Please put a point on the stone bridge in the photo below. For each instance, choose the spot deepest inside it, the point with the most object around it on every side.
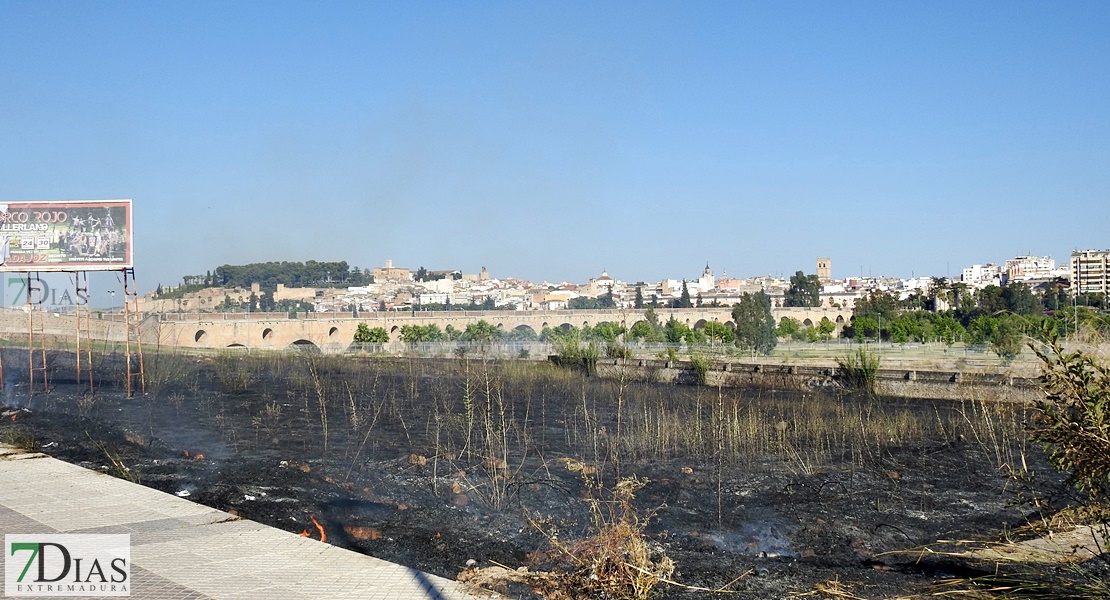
(334, 332)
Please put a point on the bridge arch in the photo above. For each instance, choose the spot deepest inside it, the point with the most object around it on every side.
(807, 322)
(333, 331)
(200, 336)
(267, 333)
(305, 346)
(700, 324)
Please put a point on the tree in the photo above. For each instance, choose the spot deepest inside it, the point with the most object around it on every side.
(642, 330)
(482, 331)
(583, 303)
(719, 332)
(606, 300)
(253, 303)
(825, 329)
(991, 300)
(788, 326)
(755, 324)
(865, 327)
(805, 290)
(947, 329)
(1002, 332)
(1020, 300)
(523, 334)
(266, 302)
(414, 334)
(684, 299)
(639, 302)
(904, 329)
(675, 331)
(365, 335)
(421, 274)
(608, 331)
(881, 306)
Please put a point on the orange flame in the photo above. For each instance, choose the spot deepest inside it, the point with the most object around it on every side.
(199, 457)
(14, 416)
(186, 454)
(320, 528)
(304, 533)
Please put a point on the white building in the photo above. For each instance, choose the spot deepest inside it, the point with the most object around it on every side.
(980, 276)
(1029, 267)
(707, 282)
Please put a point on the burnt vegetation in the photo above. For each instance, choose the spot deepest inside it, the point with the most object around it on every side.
(600, 488)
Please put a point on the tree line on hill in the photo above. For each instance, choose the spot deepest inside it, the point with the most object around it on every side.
(269, 274)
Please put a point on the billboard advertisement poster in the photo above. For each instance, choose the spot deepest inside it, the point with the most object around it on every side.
(78, 235)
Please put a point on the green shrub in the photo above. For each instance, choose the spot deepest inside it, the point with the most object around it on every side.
(860, 370)
(701, 368)
(617, 350)
(1073, 418)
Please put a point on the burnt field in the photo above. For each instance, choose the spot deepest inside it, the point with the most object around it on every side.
(445, 465)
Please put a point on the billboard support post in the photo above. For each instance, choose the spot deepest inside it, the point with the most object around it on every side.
(35, 285)
(84, 327)
(133, 323)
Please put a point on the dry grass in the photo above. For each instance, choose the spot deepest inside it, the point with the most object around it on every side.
(617, 561)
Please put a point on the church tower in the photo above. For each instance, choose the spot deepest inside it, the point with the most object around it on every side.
(824, 269)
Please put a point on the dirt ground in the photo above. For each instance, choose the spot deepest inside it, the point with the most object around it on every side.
(377, 462)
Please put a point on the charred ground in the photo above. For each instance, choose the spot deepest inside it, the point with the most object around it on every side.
(434, 463)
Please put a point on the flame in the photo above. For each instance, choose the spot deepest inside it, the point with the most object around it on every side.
(186, 454)
(14, 416)
(320, 528)
(194, 456)
(199, 457)
(304, 533)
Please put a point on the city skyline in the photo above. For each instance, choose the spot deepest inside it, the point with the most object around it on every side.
(551, 141)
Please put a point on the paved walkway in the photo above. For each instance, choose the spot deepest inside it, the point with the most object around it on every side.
(181, 550)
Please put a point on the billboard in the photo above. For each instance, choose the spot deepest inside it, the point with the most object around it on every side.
(79, 235)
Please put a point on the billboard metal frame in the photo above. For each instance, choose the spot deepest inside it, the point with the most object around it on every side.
(73, 236)
(66, 235)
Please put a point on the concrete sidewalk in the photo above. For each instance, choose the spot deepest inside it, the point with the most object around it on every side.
(181, 550)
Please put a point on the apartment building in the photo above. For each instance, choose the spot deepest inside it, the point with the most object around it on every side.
(1029, 267)
(1090, 271)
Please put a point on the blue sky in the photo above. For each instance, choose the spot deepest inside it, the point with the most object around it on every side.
(551, 140)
